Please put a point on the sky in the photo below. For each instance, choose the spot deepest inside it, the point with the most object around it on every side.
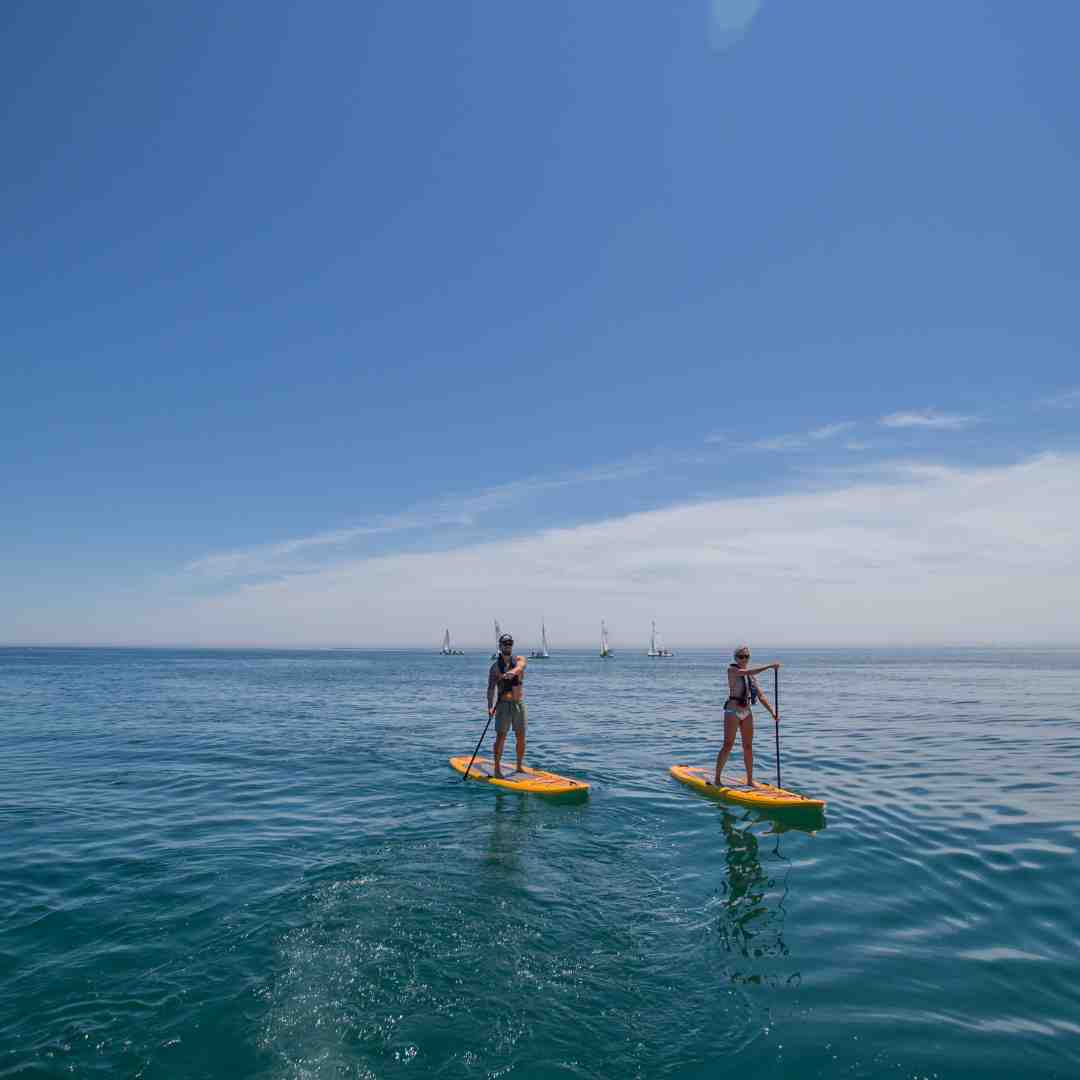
(339, 326)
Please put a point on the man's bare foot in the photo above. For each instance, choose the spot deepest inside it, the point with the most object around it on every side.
(718, 781)
(498, 774)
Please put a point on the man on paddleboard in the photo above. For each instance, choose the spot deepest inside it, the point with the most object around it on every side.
(506, 700)
(743, 691)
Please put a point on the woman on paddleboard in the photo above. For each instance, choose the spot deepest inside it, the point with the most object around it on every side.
(743, 691)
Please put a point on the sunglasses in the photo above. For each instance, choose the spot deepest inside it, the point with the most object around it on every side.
(742, 656)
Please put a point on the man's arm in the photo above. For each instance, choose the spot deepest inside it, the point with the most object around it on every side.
(519, 667)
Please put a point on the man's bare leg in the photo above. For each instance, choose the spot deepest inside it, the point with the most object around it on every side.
(519, 745)
(500, 742)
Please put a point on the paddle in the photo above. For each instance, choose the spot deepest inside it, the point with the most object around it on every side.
(477, 750)
(776, 706)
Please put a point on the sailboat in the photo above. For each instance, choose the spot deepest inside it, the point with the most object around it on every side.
(498, 634)
(541, 653)
(656, 646)
(605, 652)
(446, 650)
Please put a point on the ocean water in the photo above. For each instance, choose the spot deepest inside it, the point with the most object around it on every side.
(259, 864)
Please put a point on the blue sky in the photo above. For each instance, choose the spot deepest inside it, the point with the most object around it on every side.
(293, 295)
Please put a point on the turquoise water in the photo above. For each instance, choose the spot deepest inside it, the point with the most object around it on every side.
(234, 864)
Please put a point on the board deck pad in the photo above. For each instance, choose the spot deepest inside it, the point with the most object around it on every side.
(767, 796)
(536, 780)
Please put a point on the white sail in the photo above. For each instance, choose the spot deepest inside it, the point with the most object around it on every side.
(656, 644)
(446, 642)
(604, 650)
(541, 653)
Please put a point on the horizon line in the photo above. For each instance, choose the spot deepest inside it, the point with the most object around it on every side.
(467, 650)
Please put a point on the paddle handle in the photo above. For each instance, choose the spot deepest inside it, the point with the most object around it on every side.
(776, 706)
(477, 750)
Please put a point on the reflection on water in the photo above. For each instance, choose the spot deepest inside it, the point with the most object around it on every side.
(750, 921)
(509, 832)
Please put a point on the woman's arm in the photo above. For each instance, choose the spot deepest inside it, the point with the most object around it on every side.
(765, 701)
(756, 670)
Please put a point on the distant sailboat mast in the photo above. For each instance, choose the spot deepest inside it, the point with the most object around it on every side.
(604, 650)
(541, 653)
(656, 645)
(446, 642)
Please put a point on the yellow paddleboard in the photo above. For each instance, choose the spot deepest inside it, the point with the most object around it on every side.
(763, 796)
(543, 783)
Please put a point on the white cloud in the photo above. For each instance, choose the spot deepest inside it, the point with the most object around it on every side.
(927, 418)
(931, 555)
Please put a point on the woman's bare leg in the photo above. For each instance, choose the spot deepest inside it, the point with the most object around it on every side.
(731, 727)
(746, 730)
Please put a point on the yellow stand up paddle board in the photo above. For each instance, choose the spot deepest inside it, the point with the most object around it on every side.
(535, 780)
(762, 796)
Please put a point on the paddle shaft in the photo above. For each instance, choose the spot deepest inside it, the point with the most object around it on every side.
(477, 750)
(776, 706)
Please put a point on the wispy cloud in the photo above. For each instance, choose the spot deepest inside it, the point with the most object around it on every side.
(801, 442)
(308, 554)
(1066, 399)
(927, 418)
(922, 553)
(730, 19)
(829, 430)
